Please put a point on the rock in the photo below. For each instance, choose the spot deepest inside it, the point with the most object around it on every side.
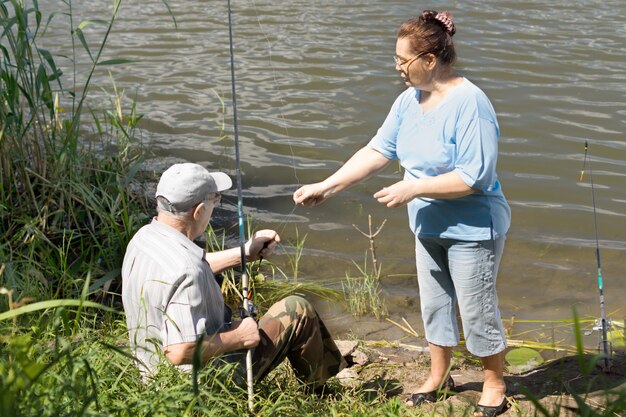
(359, 358)
(348, 377)
(346, 347)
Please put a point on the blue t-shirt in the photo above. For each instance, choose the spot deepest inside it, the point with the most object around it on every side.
(460, 134)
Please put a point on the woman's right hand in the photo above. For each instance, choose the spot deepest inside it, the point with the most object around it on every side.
(310, 195)
(361, 165)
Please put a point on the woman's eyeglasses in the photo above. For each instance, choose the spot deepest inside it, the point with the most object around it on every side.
(399, 62)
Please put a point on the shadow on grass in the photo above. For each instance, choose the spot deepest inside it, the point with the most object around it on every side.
(380, 386)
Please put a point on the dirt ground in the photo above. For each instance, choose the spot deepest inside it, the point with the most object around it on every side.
(399, 370)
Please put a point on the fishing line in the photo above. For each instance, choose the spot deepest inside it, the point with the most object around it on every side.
(280, 96)
(604, 322)
(285, 217)
(282, 218)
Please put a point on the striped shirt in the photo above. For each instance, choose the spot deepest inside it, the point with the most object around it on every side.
(169, 292)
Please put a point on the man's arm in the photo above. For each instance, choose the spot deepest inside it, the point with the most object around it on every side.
(262, 243)
(243, 335)
(223, 259)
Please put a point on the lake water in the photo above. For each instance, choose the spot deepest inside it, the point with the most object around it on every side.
(315, 79)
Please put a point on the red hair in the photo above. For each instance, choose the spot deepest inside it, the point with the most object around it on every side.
(431, 32)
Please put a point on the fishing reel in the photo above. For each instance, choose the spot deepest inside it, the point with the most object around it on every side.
(605, 342)
(597, 327)
(251, 311)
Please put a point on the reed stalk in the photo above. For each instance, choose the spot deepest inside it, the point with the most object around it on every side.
(64, 210)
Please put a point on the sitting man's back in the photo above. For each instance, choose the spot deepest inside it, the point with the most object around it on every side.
(173, 302)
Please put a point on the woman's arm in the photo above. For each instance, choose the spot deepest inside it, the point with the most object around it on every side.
(361, 165)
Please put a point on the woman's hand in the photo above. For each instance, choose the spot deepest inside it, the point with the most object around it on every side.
(445, 186)
(365, 162)
(262, 243)
(310, 195)
(398, 194)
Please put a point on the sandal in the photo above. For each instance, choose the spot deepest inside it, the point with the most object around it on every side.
(439, 394)
(492, 411)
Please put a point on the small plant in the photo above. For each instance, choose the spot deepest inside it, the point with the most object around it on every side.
(278, 282)
(370, 236)
(294, 257)
(362, 294)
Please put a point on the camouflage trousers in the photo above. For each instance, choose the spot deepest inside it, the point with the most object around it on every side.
(292, 329)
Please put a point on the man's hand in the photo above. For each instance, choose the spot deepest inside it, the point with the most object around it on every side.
(243, 334)
(247, 332)
(262, 244)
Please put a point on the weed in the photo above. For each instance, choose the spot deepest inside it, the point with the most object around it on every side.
(362, 294)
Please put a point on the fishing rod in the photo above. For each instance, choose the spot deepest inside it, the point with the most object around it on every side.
(245, 280)
(605, 323)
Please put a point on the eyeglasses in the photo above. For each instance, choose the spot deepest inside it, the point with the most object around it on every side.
(406, 62)
(215, 199)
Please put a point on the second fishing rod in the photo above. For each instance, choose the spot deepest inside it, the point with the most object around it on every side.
(604, 324)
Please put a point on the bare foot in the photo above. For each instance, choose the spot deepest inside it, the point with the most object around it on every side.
(430, 385)
(429, 392)
(492, 395)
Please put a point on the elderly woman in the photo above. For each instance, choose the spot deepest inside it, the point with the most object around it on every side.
(444, 132)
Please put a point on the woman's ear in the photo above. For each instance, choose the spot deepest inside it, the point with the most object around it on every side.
(430, 60)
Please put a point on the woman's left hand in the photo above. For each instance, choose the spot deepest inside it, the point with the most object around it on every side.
(398, 194)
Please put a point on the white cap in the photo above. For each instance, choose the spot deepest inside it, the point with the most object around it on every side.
(185, 185)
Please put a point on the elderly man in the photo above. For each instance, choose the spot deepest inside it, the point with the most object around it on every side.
(172, 300)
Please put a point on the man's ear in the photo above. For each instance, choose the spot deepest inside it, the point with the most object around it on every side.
(198, 210)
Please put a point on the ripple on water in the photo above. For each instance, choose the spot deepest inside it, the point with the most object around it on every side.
(537, 176)
(327, 226)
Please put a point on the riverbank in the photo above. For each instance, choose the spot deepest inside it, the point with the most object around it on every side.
(557, 388)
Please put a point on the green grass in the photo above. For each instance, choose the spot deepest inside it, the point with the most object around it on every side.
(362, 293)
(66, 215)
(53, 367)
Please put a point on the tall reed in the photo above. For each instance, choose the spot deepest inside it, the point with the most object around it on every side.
(65, 211)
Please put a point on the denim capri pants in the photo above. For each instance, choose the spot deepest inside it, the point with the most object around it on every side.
(451, 271)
